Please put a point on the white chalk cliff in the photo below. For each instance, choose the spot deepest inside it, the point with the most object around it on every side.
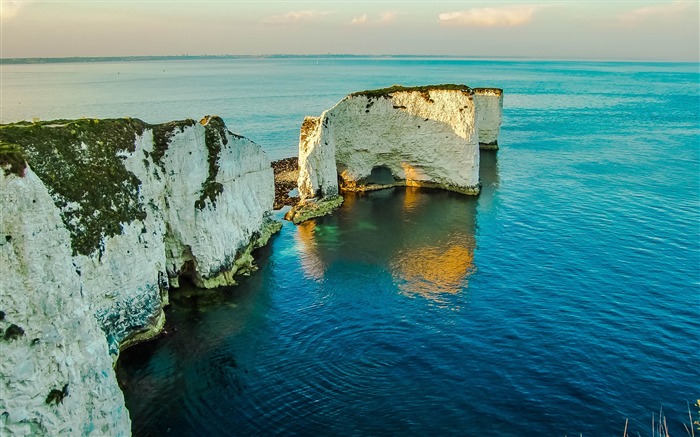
(106, 216)
(413, 136)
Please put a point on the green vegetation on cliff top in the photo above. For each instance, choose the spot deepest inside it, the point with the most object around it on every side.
(81, 162)
(385, 92)
(214, 136)
(12, 158)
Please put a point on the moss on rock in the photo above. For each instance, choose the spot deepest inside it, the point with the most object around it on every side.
(214, 137)
(313, 208)
(13, 332)
(493, 91)
(12, 159)
(242, 263)
(82, 164)
(163, 133)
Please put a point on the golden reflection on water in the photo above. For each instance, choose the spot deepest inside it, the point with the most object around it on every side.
(431, 271)
(412, 199)
(431, 268)
(423, 238)
(311, 262)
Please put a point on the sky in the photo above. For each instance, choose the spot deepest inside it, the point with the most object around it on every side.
(600, 30)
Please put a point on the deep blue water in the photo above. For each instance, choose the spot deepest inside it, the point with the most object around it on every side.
(562, 300)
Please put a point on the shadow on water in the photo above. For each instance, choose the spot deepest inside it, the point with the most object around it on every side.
(488, 172)
(490, 178)
(160, 384)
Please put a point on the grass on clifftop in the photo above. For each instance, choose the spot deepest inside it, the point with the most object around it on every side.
(385, 92)
(81, 164)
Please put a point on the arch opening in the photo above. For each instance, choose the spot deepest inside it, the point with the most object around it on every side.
(380, 175)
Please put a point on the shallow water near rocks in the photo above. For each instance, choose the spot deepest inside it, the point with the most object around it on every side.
(562, 300)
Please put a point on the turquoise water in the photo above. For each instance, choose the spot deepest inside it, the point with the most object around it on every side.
(562, 300)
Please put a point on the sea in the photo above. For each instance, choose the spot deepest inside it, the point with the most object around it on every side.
(564, 300)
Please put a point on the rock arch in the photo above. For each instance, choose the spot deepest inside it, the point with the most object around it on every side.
(425, 136)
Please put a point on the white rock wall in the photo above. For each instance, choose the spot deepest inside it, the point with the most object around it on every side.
(424, 138)
(318, 175)
(210, 237)
(489, 114)
(62, 343)
(84, 308)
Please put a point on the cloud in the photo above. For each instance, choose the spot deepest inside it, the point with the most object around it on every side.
(387, 17)
(384, 18)
(362, 19)
(295, 17)
(10, 8)
(506, 16)
(665, 11)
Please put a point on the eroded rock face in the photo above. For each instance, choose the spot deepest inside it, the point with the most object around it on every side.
(489, 114)
(419, 136)
(57, 341)
(106, 216)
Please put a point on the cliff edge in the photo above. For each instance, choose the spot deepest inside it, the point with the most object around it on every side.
(99, 219)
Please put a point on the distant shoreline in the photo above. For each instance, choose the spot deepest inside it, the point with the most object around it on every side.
(70, 59)
(80, 59)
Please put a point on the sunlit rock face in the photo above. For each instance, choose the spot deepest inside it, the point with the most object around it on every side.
(419, 136)
(99, 219)
(489, 114)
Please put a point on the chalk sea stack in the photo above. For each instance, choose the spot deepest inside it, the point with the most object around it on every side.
(489, 113)
(425, 136)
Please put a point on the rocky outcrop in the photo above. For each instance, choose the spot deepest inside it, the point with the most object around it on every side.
(413, 136)
(286, 175)
(489, 113)
(99, 219)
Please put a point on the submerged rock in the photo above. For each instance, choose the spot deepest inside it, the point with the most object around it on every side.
(399, 136)
(101, 218)
(312, 208)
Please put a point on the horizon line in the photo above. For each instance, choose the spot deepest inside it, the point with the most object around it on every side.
(69, 59)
